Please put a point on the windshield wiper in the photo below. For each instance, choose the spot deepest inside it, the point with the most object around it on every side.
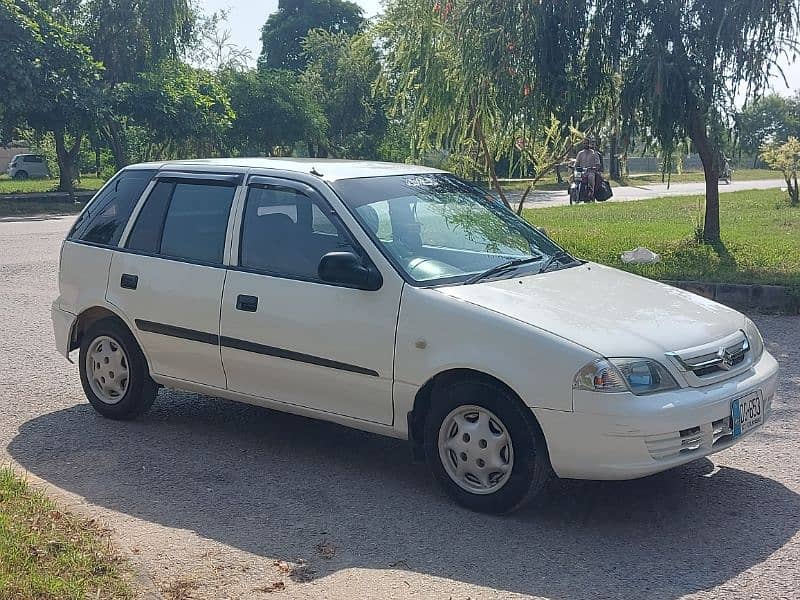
(503, 267)
(555, 257)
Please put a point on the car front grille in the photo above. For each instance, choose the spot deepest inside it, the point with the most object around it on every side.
(707, 364)
(688, 441)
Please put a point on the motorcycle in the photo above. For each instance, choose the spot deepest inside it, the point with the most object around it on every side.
(579, 190)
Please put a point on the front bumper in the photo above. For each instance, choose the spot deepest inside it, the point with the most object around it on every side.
(63, 322)
(621, 436)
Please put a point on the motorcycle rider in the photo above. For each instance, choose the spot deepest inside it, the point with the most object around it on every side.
(590, 158)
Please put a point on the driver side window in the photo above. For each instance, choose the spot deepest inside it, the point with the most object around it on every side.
(286, 233)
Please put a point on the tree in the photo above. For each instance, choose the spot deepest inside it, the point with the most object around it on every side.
(340, 75)
(48, 79)
(477, 77)
(273, 112)
(786, 158)
(686, 62)
(129, 38)
(212, 46)
(182, 110)
(768, 119)
(283, 33)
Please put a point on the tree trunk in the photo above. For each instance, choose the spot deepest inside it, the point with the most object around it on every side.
(794, 191)
(709, 156)
(490, 166)
(613, 166)
(66, 160)
(114, 134)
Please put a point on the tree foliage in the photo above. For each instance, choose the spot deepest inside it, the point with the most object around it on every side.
(477, 77)
(48, 79)
(340, 75)
(131, 37)
(786, 158)
(771, 118)
(282, 35)
(684, 62)
(177, 106)
(273, 112)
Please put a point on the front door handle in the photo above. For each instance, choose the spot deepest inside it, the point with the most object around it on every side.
(246, 303)
(128, 281)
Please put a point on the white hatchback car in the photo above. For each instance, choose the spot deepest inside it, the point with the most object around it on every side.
(28, 166)
(403, 301)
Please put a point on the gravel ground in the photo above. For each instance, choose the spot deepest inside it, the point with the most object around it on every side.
(220, 500)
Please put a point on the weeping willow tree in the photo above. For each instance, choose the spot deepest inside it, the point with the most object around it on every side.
(684, 62)
(483, 79)
(130, 37)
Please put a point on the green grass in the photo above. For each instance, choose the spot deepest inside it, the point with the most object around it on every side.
(760, 236)
(47, 553)
(26, 186)
(28, 208)
(697, 176)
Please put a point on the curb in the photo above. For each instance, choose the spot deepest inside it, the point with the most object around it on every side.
(769, 299)
(48, 197)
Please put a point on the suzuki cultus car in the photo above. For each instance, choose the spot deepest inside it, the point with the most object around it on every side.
(403, 301)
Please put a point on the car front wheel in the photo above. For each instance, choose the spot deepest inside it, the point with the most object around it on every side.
(114, 371)
(487, 453)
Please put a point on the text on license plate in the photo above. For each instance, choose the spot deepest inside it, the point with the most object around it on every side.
(746, 413)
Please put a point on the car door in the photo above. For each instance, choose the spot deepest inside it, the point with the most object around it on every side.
(288, 336)
(168, 278)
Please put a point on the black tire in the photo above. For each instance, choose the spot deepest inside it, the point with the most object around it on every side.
(21, 175)
(141, 389)
(531, 468)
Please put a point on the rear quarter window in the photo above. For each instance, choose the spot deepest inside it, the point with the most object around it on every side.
(105, 218)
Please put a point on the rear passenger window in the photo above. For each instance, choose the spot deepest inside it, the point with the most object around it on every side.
(196, 222)
(185, 221)
(105, 218)
(285, 232)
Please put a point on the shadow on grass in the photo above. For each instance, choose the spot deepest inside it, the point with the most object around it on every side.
(726, 260)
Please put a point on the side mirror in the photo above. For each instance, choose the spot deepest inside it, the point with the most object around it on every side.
(346, 268)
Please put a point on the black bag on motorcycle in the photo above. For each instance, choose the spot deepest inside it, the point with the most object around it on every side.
(603, 191)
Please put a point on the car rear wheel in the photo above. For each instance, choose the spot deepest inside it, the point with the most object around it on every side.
(487, 453)
(114, 371)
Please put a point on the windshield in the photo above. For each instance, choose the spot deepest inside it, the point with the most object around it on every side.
(438, 229)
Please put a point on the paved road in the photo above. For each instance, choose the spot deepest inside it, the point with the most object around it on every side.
(645, 191)
(217, 494)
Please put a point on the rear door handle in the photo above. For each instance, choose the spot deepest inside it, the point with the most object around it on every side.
(128, 281)
(246, 303)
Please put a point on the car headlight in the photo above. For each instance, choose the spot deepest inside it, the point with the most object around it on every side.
(639, 376)
(754, 339)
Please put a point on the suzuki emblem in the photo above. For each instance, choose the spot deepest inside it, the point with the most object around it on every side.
(725, 358)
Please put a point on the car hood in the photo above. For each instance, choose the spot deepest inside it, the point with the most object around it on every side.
(612, 312)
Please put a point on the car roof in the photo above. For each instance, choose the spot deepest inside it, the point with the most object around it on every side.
(325, 168)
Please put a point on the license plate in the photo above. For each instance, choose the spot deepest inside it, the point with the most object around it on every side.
(746, 413)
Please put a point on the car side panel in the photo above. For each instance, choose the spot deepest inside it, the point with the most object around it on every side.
(83, 276)
(437, 333)
(175, 314)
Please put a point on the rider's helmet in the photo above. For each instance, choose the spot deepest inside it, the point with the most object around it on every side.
(590, 141)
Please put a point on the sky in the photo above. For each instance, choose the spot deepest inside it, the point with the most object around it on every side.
(246, 17)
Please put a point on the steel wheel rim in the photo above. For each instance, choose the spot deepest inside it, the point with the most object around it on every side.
(475, 449)
(107, 369)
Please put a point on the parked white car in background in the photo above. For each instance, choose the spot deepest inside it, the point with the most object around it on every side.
(399, 300)
(28, 166)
